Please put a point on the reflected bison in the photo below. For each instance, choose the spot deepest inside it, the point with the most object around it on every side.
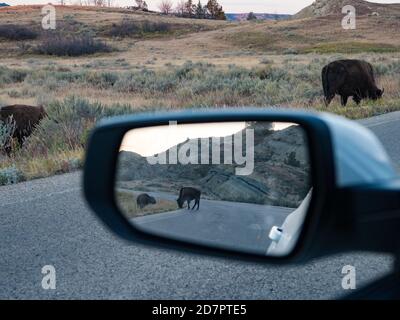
(349, 78)
(144, 200)
(25, 119)
(188, 195)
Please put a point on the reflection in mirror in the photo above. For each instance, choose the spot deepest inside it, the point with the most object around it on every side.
(243, 186)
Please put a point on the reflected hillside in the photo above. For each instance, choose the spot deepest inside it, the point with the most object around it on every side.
(280, 176)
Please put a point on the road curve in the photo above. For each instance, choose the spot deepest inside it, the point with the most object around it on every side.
(232, 225)
(46, 222)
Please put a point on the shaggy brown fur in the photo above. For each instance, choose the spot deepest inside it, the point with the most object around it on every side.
(350, 78)
(26, 118)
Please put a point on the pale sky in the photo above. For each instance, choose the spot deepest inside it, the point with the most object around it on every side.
(230, 6)
(153, 140)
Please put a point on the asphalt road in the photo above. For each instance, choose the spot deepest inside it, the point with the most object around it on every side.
(386, 127)
(233, 225)
(46, 222)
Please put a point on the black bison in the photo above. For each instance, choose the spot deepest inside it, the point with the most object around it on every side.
(25, 118)
(349, 78)
(144, 200)
(188, 195)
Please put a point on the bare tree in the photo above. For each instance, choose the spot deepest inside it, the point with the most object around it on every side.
(139, 3)
(98, 3)
(166, 6)
(180, 8)
(189, 8)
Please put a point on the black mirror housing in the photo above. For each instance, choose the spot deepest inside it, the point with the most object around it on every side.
(340, 214)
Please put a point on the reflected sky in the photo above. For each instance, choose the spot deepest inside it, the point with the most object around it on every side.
(153, 140)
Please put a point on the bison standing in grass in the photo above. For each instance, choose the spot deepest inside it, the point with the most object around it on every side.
(350, 78)
(24, 119)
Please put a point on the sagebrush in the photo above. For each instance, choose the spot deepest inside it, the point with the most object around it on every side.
(73, 46)
(17, 32)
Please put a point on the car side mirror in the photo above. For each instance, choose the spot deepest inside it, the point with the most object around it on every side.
(256, 184)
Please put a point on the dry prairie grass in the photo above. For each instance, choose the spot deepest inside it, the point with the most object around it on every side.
(127, 202)
(217, 64)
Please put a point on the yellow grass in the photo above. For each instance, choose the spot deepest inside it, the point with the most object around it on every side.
(45, 166)
(127, 203)
(242, 44)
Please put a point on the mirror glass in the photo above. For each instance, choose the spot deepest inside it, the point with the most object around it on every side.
(243, 186)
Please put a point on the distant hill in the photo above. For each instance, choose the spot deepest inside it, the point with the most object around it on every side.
(4, 5)
(272, 154)
(260, 16)
(321, 8)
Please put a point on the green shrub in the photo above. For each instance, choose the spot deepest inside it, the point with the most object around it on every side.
(68, 125)
(290, 51)
(6, 134)
(197, 84)
(10, 175)
(12, 75)
(266, 61)
(351, 47)
(129, 28)
(16, 32)
(102, 80)
(61, 45)
(392, 68)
